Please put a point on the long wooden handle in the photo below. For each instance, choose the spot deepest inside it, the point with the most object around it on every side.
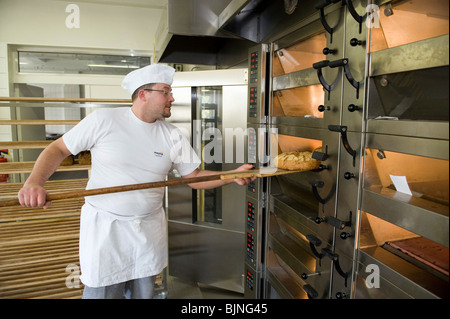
(171, 182)
(116, 189)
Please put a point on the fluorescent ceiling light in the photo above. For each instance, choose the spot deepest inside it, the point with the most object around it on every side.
(114, 66)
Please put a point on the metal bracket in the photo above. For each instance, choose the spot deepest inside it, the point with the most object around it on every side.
(343, 130)
(328, 87)
(359, 19)
(348, 74)
(313, 242)
(335, 258)
(320, 6)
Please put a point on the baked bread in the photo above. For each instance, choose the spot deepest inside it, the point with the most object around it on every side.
(294, 161)
(67, 161)
(84, 158)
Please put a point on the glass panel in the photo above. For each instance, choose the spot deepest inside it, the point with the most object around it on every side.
(301, 101)
(426, 177)
(423, 261)
(77, 63)
(412, 95)
(209, 118)
(403, 22)
(301, 55)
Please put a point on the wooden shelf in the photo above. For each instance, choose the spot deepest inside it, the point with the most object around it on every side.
(20, 145)
(26, 167)
(39, 122)
(62, 100)
(10, 190)
(37, 245)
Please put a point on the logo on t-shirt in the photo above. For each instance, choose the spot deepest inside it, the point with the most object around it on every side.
(158, 154)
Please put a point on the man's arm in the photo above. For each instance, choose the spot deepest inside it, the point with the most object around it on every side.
(218, 183)
(33, 193)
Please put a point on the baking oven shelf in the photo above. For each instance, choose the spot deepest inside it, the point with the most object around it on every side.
(297, 216)
(421, 216)
(423, 54)
(295, 79)
(400, 278)
(433, 148)
(298, 122)
(284, 285)
(303, 131)
(297, 258)
(422, 129)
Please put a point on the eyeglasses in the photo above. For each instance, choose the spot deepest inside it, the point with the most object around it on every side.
(164, 92)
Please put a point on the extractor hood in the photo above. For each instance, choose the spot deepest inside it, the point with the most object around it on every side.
(190, 33)
(220, 32)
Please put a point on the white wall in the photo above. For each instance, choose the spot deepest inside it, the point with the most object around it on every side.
(102, 25)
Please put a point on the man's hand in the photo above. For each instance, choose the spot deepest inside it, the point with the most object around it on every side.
(219, 183)
(247, 180)
(33, 195)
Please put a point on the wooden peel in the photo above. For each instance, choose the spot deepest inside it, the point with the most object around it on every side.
(263, 172)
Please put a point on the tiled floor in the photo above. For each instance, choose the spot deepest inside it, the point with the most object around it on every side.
(180, 289)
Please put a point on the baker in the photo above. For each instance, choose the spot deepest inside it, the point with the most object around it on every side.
(123, 238)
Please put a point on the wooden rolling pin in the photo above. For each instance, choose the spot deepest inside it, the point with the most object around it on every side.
(263, 172)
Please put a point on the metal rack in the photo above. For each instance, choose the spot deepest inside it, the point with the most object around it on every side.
(39, 248)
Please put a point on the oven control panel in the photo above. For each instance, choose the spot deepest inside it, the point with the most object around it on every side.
(258, 70)
(251, 217)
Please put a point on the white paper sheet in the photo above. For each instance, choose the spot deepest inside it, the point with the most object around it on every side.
(401, 184)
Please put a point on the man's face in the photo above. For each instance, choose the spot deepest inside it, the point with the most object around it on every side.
(160, 100)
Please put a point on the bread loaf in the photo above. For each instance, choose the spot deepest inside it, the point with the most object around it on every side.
(297, 161)
(84, 158)
(67, 161)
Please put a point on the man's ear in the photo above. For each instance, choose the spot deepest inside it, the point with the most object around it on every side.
(142, 96)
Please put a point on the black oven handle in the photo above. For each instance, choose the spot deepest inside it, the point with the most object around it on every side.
(328, 87)
(335, 258)
(359, 19)
(320, 5)
(343, 130)
(348, 74)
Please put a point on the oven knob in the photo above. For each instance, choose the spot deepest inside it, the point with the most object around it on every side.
(319, 220)
(345, 235)
(305, 275)
(322, 108)
(341, 295)
(348, 175)
(328, 51)
(353, 108)
(354, 42)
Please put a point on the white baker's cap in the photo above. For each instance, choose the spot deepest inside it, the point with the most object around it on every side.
(155, 73)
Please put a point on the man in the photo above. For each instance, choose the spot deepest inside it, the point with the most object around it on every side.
(123, 239)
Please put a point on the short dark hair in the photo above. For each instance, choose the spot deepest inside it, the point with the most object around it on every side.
(136, 92)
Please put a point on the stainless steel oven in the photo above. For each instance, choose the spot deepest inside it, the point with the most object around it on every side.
(368, 83)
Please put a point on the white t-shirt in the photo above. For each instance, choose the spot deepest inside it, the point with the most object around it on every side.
(123, 235)
(126, 150)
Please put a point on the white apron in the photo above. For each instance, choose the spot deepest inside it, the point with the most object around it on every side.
(117, 248)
